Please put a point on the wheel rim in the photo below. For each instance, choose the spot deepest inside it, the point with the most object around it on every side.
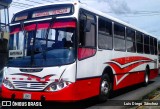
(146, 78)
(104, 87)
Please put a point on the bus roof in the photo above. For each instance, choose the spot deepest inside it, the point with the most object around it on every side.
(97, 12)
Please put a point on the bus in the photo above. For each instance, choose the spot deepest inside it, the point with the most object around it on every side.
(67, 52)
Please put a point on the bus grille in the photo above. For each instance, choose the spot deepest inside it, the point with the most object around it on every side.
(30, 85)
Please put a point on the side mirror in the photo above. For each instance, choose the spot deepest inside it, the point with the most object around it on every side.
(87, 26)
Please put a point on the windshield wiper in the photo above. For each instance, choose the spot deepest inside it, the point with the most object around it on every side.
(22, 27)
(46, 36)
(33, 45)
(24, 33)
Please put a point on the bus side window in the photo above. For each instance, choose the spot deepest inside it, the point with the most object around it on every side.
(146, 44)
(151, 45)
(87, 35)
(105, 37)
(155, 46)
(87, 38)
(130, 40)
(139, 39)
(119, 37)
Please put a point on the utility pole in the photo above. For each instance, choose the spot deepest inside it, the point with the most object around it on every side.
(4, 33)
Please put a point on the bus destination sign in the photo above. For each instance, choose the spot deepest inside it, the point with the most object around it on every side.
(51, 12)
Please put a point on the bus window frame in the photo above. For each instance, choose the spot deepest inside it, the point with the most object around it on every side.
(107, 35)
(118, 36)
(146, 43)
(140, 34)
(133, 41)
(88, 48)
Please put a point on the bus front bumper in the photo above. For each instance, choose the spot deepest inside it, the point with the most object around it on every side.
(64, 95)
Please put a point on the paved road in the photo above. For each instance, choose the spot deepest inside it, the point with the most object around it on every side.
(130, 93)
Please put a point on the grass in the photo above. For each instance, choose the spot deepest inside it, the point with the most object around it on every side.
(149, 96)
(152, 94)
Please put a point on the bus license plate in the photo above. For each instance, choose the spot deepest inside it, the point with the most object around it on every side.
(27, 96)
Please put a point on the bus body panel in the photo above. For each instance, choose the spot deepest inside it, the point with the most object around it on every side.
(65, 95)
(131, 67)
(79, 90)
(87, 74)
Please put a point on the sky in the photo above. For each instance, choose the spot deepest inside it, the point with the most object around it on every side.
(143, 14)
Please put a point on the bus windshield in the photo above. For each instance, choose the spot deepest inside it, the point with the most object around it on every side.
(33, 45)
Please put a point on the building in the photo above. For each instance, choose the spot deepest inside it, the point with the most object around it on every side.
(4, 33)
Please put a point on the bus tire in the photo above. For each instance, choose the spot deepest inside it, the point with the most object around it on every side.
(105, 88)
(146, 77)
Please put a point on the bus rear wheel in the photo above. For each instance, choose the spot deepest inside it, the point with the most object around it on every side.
(105, 88)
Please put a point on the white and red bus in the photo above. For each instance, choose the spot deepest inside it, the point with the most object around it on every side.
(67, 51)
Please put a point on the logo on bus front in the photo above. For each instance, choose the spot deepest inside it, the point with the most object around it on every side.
(28, 85)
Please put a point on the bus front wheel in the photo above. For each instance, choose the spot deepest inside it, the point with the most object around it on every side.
(105, 88)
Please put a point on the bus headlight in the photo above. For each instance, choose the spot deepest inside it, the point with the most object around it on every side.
(53, 87)
(61, 85)
(56, 86)
(8, 84)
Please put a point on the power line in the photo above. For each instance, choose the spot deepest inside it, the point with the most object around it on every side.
(48, 1)
(135, 12)
(34, 2)
(146, 11)
(22, 3)
(18, 6)
(149, 15)
(128, 14)
(26, 4)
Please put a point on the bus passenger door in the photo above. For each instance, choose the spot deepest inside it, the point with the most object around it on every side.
(87, 83)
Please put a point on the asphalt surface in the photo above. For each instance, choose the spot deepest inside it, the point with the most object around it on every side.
(131, 93)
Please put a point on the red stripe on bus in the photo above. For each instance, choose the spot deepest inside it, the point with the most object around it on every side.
(20, 78)
(29, 78)
(133, 78)
(85, 53)
(130, 59)
(126, 69)
(59, 24)
(13, 78)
